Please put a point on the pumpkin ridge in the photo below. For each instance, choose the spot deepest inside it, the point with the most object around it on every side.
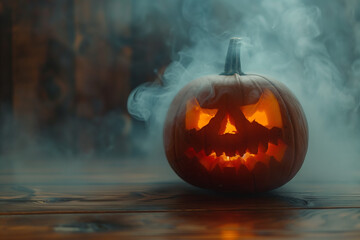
(291, 121)
(174, 132)
(238, 136)
(262, 91)
(293, 172)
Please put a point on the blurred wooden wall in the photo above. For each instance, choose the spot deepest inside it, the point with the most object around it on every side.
(69, 59)
(5, 58)
(6, 83)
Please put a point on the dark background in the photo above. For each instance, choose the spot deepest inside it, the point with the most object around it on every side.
(68, 67)
(75, 163)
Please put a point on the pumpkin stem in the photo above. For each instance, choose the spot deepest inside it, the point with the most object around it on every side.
(233, 62)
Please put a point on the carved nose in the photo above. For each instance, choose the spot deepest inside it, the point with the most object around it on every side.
(227, 126)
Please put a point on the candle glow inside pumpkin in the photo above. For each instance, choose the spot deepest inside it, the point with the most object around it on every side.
(265, 111)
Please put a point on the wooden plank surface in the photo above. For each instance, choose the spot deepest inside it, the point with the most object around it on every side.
(129, 201)
(164, 197)
(270, 224)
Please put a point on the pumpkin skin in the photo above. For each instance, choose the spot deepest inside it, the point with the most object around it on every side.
(235, 132)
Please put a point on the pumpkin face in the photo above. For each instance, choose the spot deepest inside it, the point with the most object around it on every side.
(235, 132)
(235, 135)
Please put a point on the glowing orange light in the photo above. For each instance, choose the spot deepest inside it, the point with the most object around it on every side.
(259, 117)
(277, 151)
(248, 159)
(230, 231)
(265, 112)
(197, 117)
(228, 126)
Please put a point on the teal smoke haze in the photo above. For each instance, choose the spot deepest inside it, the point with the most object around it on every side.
(311, 46)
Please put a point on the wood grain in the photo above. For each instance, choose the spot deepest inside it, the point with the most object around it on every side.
(269, 224)
(160, 197)
(129, 201)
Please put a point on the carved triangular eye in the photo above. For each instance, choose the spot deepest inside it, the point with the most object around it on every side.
(196, 116)
(265, 112)
(253, 138)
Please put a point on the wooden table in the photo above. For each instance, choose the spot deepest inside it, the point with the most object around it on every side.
(123, 200)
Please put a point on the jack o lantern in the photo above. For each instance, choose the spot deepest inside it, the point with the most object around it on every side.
(235, 131)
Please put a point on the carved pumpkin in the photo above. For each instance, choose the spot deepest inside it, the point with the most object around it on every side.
(235, 131)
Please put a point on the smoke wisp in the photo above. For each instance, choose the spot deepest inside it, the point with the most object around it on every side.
(311, 46)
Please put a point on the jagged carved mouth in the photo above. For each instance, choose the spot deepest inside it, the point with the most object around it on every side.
(248, 159)
(233, 136)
